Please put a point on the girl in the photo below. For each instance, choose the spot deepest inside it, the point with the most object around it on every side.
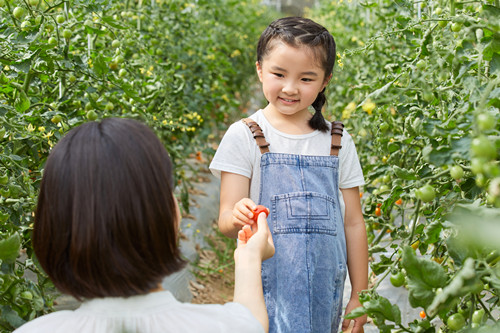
(106, 233)
(285, 158)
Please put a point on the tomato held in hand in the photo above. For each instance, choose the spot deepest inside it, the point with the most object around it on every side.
(259, 209)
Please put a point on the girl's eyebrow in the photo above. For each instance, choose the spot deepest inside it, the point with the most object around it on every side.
(277, 68)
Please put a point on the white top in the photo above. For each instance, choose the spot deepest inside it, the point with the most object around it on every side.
(157, 312)
(238, 153)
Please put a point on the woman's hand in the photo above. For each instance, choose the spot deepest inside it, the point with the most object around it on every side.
(256, 239)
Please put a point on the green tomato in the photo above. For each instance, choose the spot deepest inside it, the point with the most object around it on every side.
(34, 3)
(481, 180)
(60, 19)
(67, 33)
(455, 322)
(397, 279)
(483, 147)
(456, 172)
(52, 41)
(26, 295)
(25, 25)
(485, 121)
(18, 12)
(49, 27)
(438, 11)
(384, 127)
(426, 193)
(56, 119)
(2, 3)
(122, 72)
(115, 44)
(110, 106)
(72, 78)
(443, 23)
(383, 188)
(456, 27)
(91, 115)
(119, 59)
(477, 316)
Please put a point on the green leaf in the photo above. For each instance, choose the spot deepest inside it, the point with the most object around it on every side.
(423, 276)
(403, 173)
(11, 316)
(22, 102)
(357, 312)
(100, 66)
(495, 64)
(10, 247)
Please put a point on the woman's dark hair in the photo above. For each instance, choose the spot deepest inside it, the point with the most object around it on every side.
(106, 223)
(297, 32)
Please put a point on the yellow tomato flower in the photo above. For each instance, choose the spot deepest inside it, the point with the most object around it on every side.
(368, 107)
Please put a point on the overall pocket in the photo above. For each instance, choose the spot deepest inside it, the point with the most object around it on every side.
(304, 212)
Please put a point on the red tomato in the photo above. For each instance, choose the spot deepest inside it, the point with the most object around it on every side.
(259, 209)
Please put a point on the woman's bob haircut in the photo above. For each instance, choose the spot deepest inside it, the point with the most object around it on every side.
(106, 220)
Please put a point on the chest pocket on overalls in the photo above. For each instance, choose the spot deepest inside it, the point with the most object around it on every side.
(303, 212)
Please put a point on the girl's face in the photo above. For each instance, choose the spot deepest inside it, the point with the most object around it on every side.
(291, 79)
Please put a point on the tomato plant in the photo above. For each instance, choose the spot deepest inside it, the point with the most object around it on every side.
(179, 66)
(418, 89)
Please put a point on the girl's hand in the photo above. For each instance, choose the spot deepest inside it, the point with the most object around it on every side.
(358, 322)
(256, 239)
(242, 213)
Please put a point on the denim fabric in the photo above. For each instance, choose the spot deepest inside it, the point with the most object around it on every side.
(304, 281)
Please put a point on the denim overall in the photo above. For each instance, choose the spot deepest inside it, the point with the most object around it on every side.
(304, 281)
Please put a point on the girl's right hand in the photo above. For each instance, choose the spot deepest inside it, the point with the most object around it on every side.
(243, 213)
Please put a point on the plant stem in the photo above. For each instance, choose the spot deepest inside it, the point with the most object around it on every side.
(413, 227)
(452, 7)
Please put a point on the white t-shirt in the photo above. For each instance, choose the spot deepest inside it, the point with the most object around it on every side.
(157, 312)
(238, 153)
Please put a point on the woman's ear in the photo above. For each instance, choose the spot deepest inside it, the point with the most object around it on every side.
(259, 70)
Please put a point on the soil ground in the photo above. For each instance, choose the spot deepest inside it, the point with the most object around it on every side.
(214, 271)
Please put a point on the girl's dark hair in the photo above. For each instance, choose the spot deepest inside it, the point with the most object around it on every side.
(296, 32)
(106, 223)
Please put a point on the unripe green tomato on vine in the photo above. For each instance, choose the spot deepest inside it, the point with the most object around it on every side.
(91, 115)
(25, 25)
(18, 12)
(455, 322)
(52, 41)
(67, 33)
(60, 19)
(456, 172)
(456, 27)
(483, 147)
(485, 121)
(426, 193)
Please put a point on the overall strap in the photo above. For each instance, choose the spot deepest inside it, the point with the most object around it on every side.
(337, 130)
(257, 134)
